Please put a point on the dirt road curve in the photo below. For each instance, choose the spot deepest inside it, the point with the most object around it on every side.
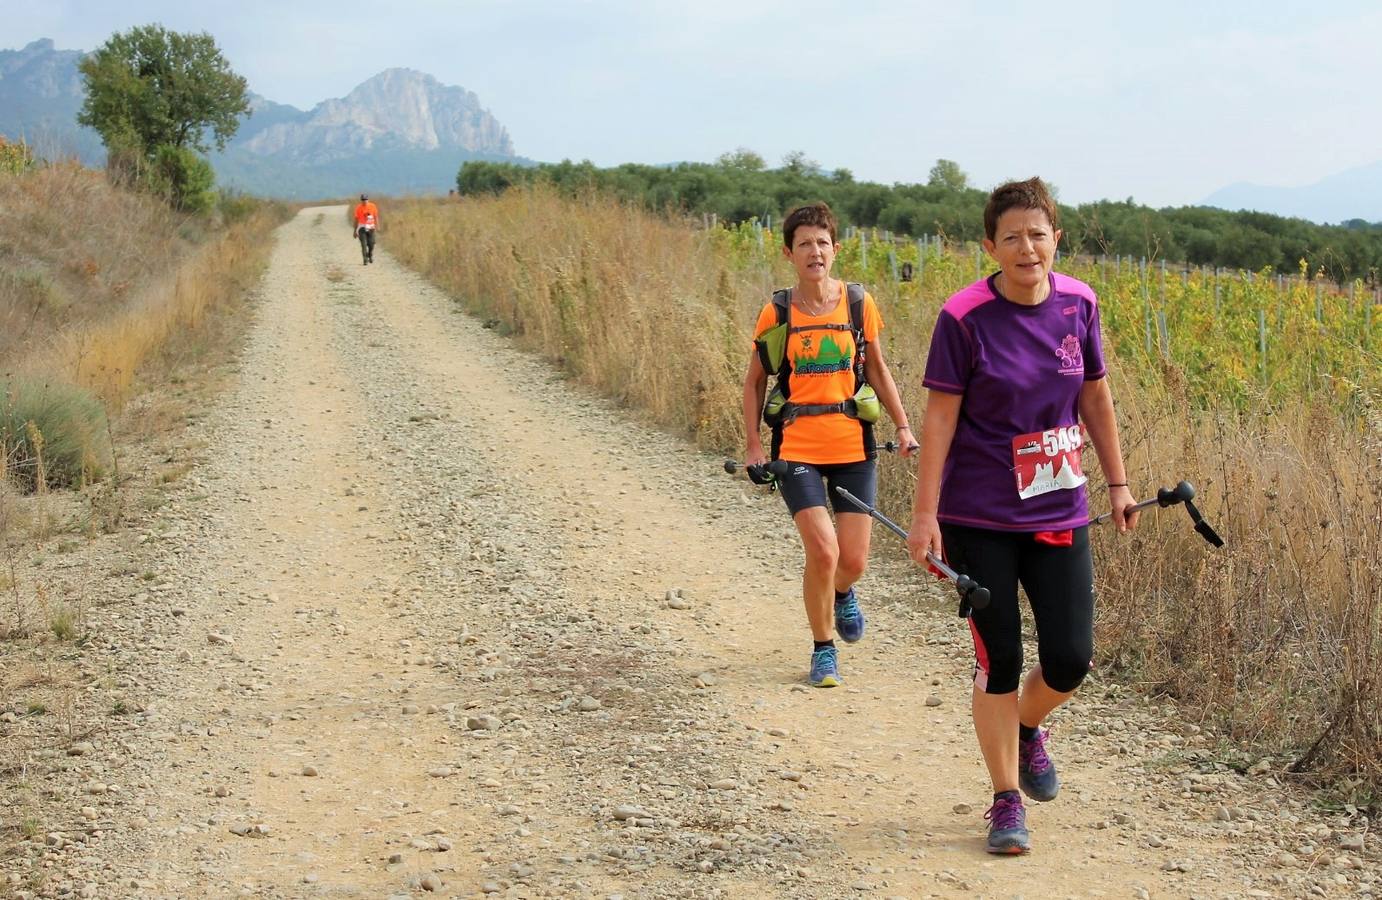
(414, 636)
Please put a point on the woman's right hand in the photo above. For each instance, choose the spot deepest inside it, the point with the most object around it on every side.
(754, 456)
(924, 535)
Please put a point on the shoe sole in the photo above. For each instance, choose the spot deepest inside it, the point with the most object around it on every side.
(1011, 850)
(827, 681)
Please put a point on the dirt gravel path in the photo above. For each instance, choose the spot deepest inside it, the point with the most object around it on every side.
(431, 621)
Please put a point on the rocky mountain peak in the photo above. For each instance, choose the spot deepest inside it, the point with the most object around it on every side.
(396, 109)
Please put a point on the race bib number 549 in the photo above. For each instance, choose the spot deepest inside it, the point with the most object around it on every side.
(1046, 461)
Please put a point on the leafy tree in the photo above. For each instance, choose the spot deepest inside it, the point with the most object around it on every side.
(947, 174)
(742, 158)
(798, 163)
(148, 88)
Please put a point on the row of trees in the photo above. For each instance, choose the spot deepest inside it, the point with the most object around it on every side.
(740, 186)
(159, 99)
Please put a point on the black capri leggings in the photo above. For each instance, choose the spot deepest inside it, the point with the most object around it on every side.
(1059, 582)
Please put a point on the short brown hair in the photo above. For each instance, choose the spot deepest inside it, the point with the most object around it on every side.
(1029, 194)
(817, 214)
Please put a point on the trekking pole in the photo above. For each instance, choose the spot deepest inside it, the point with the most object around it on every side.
(972, 594)
(766, 473)
(1182, 493)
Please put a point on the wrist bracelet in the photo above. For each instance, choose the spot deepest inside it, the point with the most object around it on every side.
(1114, 484)
(903, 428)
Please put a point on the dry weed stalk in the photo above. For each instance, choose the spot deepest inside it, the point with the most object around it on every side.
(7, 542)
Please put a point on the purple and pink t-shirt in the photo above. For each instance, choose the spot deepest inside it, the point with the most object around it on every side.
(1014, 463)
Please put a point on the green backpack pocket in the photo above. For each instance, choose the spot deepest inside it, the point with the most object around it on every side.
(772, 347)
(866, 405)
(773, 407)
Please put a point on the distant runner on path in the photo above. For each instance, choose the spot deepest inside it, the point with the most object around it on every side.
(1016, 365)
(366, 223)
(821, 339)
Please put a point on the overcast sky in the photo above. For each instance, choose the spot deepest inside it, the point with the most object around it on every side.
(1165, 102)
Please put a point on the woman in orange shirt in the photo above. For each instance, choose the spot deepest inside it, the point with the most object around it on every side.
(823, 433)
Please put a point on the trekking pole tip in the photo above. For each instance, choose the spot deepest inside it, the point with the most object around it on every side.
(731, 466)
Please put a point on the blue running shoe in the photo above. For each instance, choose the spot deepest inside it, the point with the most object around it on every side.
(1035, 771)
(849, 618)
(1008, 825)
(825, 668)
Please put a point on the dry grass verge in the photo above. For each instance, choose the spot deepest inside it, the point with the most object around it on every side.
(1277, 639)
(142, 327)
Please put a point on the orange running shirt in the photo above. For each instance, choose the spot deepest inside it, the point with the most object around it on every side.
(367, 213)
(822, 372)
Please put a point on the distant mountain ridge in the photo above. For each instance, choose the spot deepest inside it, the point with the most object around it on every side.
(398, 131)
(40, 93)
(1352, 194)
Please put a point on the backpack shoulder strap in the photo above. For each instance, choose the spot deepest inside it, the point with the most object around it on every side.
(854, 292)
(782, 303)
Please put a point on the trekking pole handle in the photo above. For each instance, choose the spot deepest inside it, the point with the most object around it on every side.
(971, 592)
(1183, 492)
(763, 473)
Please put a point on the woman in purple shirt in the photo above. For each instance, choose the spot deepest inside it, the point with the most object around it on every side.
(1016, 365)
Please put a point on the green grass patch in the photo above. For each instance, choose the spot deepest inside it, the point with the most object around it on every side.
(51, 434)
(63, 622)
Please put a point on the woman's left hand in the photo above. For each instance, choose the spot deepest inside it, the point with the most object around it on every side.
(1120, 499)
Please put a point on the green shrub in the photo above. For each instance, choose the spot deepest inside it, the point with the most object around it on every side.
(73, 445)
(236, 206)
(185, 178)
(15, 157)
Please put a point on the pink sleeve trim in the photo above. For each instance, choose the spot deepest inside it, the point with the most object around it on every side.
(964, 302)
(1067, 285)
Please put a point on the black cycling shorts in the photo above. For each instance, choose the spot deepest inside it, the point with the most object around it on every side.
(805, 485)
(1059, 582)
